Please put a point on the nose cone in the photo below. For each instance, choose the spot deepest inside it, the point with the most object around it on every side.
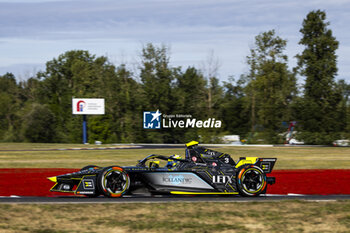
(53, 179)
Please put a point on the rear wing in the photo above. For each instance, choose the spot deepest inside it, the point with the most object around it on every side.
(266, 164)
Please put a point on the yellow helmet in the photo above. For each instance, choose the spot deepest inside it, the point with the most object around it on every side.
(171, 163)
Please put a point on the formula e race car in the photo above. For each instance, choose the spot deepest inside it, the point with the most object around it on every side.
(202, 171)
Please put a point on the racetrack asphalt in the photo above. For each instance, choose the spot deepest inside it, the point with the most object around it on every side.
(165, 199)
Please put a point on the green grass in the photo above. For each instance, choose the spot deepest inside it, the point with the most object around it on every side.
(285, 216)
(288, 157)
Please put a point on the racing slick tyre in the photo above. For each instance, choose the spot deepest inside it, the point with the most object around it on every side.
(251, 181)
(113, 181)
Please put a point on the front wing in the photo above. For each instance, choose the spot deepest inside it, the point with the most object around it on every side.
(84, 185)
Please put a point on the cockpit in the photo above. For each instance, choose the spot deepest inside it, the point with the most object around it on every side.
(200, 154)
(194, 154)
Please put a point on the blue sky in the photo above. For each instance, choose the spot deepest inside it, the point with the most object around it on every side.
(33, 32)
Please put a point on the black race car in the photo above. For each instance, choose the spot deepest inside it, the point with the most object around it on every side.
(202, 171)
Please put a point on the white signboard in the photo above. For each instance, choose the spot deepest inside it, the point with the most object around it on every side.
(88, 106)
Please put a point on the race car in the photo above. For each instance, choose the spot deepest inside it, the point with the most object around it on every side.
(201, 171)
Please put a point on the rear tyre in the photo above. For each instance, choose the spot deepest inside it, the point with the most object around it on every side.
(251, 181)
(113, 181)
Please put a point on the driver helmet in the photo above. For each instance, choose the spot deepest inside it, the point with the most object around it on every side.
(172, 163)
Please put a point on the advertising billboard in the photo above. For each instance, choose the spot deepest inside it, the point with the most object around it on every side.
(88, 106)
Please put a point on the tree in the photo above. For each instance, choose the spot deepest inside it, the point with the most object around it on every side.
(318, 63)
(10, 102)
(210, 70)
(158, 83)
(234, 117)
(270, 86)
(123, 106)
(157, 77)
(79, 74)
(343, 109)
(39, 124)
(191, 91)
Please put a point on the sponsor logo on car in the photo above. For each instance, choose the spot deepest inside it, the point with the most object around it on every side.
(85, 192)
(223, 179)
(88, 184)
(176, 180)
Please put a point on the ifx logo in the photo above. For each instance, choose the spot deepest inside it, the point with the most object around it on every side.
(151, 120)
(223, 179)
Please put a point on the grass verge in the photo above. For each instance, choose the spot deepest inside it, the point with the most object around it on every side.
(285, 216)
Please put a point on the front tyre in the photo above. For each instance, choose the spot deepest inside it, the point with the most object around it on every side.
(113, 181)
(251, 181)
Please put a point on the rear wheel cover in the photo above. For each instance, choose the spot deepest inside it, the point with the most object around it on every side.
(251, 181)
(113, 182)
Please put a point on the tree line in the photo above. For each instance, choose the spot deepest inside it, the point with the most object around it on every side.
(257, 106)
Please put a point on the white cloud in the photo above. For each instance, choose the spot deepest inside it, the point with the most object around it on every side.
(37, 30)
